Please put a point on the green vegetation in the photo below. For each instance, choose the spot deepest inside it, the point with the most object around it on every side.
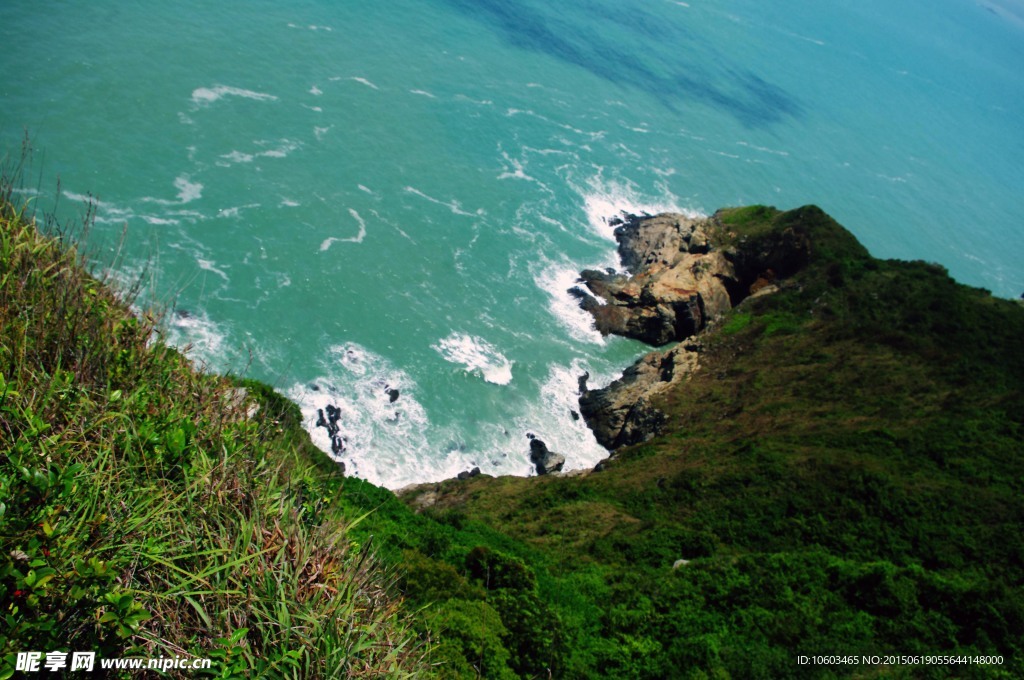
(142, 513)
(843, 475)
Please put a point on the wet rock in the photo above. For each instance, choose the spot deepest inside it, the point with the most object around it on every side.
(648, 240)
(330, 423)
(679, 281)
(546, 461)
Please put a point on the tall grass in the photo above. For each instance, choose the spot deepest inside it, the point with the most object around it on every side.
(143, 512)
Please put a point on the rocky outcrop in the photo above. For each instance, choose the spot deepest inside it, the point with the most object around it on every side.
(649, 240)
(468, 474)
(622, 413)
(239, 404)
(544, 460)
(682, 273)
(676, 283)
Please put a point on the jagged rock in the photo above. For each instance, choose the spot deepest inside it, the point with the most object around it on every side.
(330, 423)
(648, 240)
(622, 413)
(677, 283)
(683, 274)
(546, 461)
(393, 395)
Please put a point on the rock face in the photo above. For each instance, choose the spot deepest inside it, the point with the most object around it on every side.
(676, 284)
(621, 413)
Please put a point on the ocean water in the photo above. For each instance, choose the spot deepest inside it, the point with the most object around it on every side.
(343, 199)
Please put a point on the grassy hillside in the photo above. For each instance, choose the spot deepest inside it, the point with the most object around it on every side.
(143, 512)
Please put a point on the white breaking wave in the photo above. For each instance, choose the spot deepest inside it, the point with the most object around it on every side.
(567, 431)
(763, 149)
(311, 27)
(195, 335)
(516, 169)
(381, 435)
(556, 279)
(603, 201)
(159, 221)
(476, 355)
(204, 96)
(364, 81)
(236, 210)
(282, 148)
(210, 266)
(108, 213)
(238, 157)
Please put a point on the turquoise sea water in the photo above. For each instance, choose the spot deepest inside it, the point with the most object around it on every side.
(343, 198)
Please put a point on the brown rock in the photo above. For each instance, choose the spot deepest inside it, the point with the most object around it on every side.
(622, 413)
(677, 284)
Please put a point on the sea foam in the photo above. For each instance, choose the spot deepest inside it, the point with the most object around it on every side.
(204, 96)
(384, 439)
(556, 279)
(188, 190)
(197, 336)
(604, 200)
(476, 355)
(358, 238)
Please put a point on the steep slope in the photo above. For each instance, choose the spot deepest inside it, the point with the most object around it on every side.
(150, 511)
